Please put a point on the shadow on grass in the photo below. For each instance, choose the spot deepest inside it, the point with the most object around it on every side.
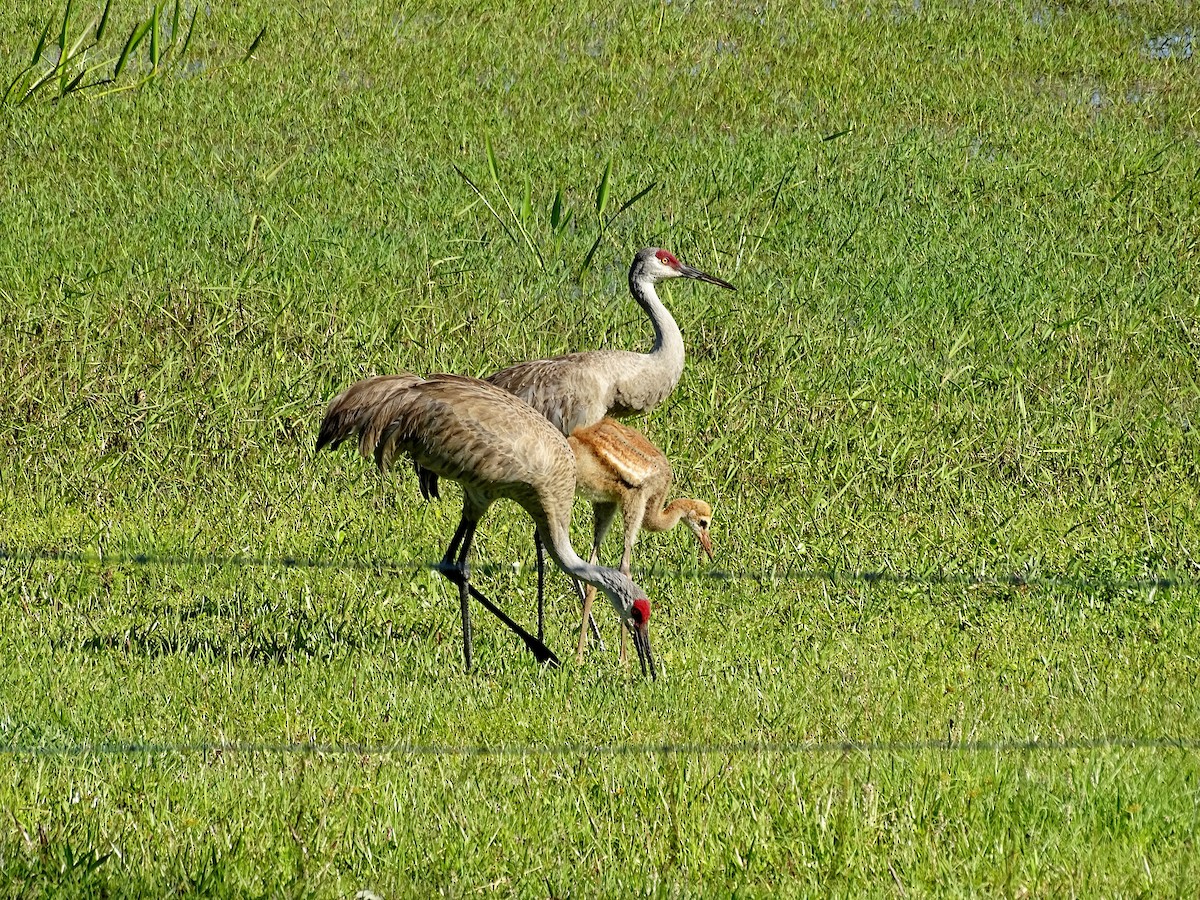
(306, 638)
(1098, 582)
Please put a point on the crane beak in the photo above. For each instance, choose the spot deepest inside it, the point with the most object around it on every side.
(641, 640)
(688, 272)
(705, 542)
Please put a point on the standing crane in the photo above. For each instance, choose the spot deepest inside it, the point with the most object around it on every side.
(495, 447)
(619, 468)
(579, 389)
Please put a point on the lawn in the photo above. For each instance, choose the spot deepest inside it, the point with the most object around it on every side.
(947, 425)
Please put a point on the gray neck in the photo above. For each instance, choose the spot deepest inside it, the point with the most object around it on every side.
(667, 339)
(614, 585)
(664, 364)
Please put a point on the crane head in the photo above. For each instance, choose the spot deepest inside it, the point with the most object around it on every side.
(655, 264)
(698, 516)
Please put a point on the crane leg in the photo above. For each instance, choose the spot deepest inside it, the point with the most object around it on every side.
(540, 551)
(461, 567)
(458, 571)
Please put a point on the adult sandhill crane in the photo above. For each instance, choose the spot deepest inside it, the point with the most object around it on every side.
(619, 468)
(580, 389)
(494, 446)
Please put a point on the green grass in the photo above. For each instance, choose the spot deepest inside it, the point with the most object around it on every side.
(963, 354)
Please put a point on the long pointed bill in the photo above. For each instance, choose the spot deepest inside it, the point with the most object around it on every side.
(706, 543)
(689, 272)
(641, 640)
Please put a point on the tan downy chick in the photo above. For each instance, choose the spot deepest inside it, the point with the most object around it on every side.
(619, 468)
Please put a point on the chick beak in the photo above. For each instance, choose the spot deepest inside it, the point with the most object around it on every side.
(705, 543)
(688, 272)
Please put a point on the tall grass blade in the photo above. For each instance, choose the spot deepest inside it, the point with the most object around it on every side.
(587, 260)
(12, 84)
(491, 158)
(478, 193)
(41, 45)
(74, 82)
(103, 26)
(154, 39)
(556, 210)
(187, 41)
(521, 227)
(527, 201)
(71, 54)
(175, 23)
(634, 199)
(62, 37)
(602, 190)
(254, 44)
(135, 38)
(37, 85)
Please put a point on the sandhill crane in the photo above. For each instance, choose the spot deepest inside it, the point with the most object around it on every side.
(619, 468)
(580, 389)
(494, 446)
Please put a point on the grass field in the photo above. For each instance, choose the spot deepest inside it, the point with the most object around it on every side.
(948, 424)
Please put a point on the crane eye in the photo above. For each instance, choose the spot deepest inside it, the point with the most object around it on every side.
(703, 524)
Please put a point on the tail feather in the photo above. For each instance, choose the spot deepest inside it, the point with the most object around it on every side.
(363, 410)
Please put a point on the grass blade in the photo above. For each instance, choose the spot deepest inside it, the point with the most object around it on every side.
(74, 82)
(154, 39)
(12, 84)
(634, 199)
(100, 29)
(527, 201)
(135, 38)
(187, 41)
(495, 215)
(491, 158)
(521, 227)
(45, 79)
(71, 54)
(175, 23)
(556, 210)
(587, 260)
(602, 190)
(62, 37)
(41, 45)
(254, 44)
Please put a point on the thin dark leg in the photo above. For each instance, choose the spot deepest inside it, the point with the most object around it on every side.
(458, 572)
(464, 584)
(540, 550)
(448, 560)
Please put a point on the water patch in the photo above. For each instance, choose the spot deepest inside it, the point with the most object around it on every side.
(1175, 45)
(1044, 17)
(899, 11)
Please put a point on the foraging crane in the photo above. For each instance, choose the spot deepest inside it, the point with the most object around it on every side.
(495, 447)
(619, 468)
(580, 389)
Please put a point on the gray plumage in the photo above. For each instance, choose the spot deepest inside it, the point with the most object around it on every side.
(580, 389)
